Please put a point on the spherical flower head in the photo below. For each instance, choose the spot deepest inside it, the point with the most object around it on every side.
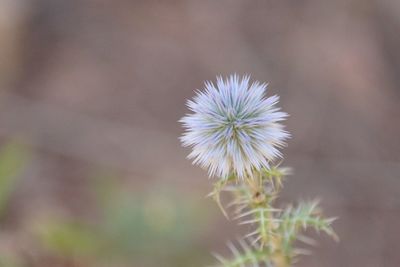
(234, 129)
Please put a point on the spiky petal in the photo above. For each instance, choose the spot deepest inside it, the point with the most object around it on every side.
(234, 129)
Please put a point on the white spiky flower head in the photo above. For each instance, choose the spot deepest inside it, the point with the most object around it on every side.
(234, 129)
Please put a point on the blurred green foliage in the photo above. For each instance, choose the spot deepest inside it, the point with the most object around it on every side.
(12, 159)
(141, 228)
(125, 226)
(9, 261)
(69, 239)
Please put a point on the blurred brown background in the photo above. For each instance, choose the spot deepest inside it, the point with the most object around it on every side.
(91, 169)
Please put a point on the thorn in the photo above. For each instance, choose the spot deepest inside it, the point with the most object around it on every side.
(252, 233)
(219, 258)
(249, 221)
(300, 251)
(307, 240)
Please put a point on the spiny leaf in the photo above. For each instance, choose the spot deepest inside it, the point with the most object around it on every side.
(304, 216)
(216, 195)
(244, 255)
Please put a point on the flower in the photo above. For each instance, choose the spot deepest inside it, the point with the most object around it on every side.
(234, 129)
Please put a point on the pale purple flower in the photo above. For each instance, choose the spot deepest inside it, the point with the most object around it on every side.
(234, 129)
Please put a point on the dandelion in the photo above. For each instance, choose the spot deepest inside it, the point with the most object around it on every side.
(234, 129)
